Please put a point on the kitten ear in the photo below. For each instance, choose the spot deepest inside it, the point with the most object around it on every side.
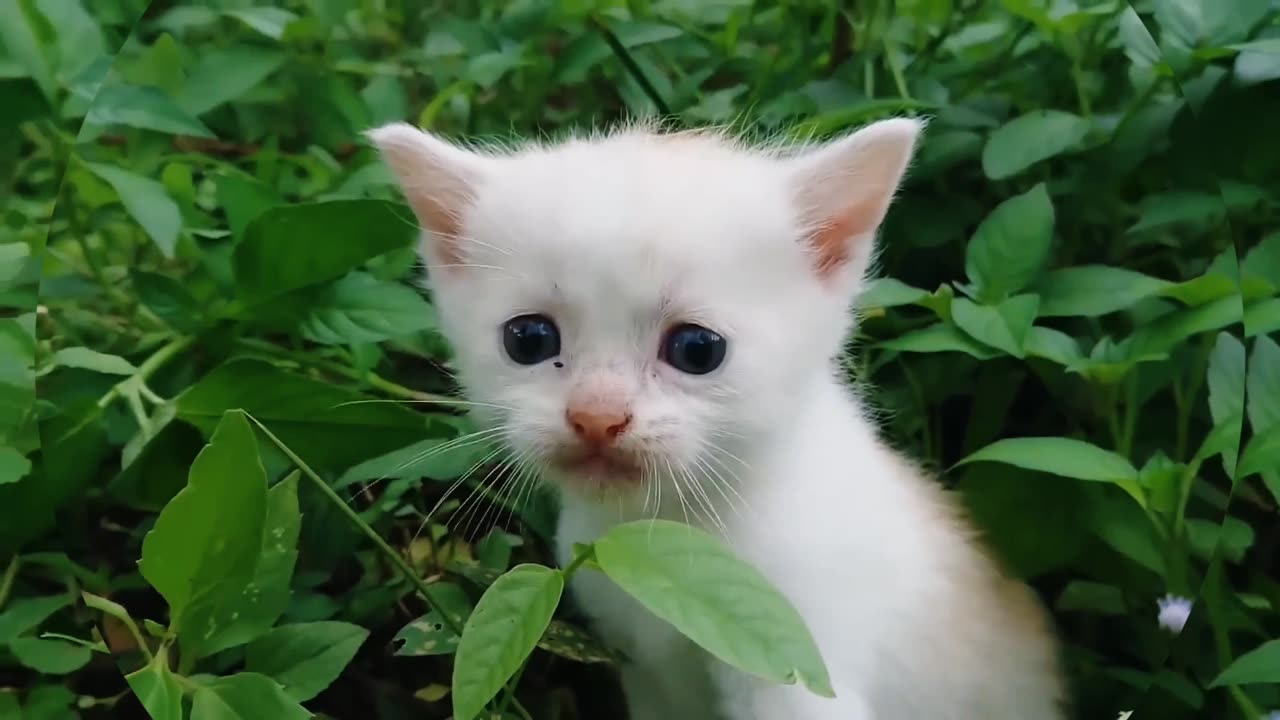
(437, 178)
(844, 188)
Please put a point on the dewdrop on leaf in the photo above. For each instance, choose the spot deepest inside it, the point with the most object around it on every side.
(1174, 611)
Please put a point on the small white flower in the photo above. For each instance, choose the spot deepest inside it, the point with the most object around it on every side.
(1174, 612)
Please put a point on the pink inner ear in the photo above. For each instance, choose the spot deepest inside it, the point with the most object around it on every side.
(834, 241)
(442, 223)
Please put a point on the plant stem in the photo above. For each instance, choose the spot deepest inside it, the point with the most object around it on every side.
(10, 575)
(395, 557)
(375, 381)
(148, 368)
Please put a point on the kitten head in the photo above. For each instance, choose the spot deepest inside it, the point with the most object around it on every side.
(645, 308)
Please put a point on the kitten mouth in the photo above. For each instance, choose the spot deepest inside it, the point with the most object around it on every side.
(599, 465)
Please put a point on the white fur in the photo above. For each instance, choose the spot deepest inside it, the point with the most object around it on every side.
(617, 238)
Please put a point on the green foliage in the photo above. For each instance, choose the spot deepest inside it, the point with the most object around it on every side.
(1077, 318)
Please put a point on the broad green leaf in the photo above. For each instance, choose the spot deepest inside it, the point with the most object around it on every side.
(1165, 210)
(269, 21)
(1263, 261)
(307, 657)
(168, 298)
(25, 614)
(325, 424)
(1094, 290)
(245, 696)
(937, 338)
(204, 547)
(88, 359)
(636, 33)
(1262, 453)
(1263, 384)
(148, 203)
(1226, 378)
(29, 37)
(887, 292)
(1029, 139)
(263, 600)
(1259, 666)
(291, 247)
(1054, 345)
(501, 633)
(1004, 326)
(1168, 331)
(1011, 246)
(13, 465)
(359, 308)
(1035, 526)
(157, 688)
(1262, 317)
(51, 657)
(688, 578)
(1062, 456)
(435, 458)
(147, 108)
(487, 69)
(243, 198)
(225, 74)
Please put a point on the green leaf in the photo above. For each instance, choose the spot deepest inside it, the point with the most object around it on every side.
(1054, 345)
(245, 696)
(887, 292)
(937, 338)
(1035, 526)
(1011, 246)
(688, 578)
(264, 598)
(147, 108)
(323, 423)
(13, 465)
(225, 74)
(1259, 666)
(1004, 326)
(502, 631)
(87, 359)
(25, 614)
(1226, 378)
(1262, 317)
(1061, 456)
(307, 657)
(269, 21)
(1169, 330)
(1165, 210)
(169, 299)
(429, 634)
(1263, 384)
(157, 688)
(1262, 454)
(435, 458)
(1263, 261)
(1094, 290)
(148, 203)
(359, 308)
(291, 247)
(29, 37)
(51, 657)
(1029, 139)
(204, 547)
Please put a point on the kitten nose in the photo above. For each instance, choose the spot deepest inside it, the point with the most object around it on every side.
(597, 426)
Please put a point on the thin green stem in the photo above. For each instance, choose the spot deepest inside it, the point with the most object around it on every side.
(395, 557)
(375, 381)
(148, 368)
(10, 575)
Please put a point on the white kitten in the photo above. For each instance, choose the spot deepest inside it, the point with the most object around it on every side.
(656, 320)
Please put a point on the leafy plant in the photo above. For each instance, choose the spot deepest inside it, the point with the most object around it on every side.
(1076, 324)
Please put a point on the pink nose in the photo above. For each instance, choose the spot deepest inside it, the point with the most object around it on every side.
(597, 426)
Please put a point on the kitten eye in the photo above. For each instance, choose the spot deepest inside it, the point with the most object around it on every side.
(531, 339)
(693, 349)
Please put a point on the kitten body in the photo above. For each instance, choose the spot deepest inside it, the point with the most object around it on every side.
(614, 244)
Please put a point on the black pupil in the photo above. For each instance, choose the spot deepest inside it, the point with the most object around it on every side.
(694, 349)
(531, 339)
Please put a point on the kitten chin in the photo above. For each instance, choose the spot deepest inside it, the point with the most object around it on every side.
(676, 303)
